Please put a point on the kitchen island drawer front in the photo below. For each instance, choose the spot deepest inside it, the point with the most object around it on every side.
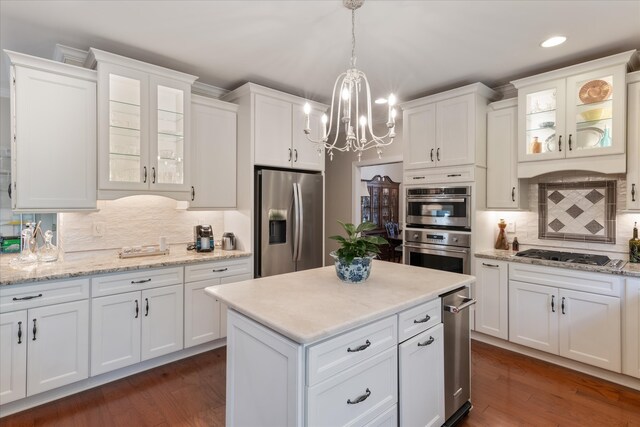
(215, 270)
(337, 354)
(126, 282)
(20, 297)
(586, 281)
(387, 419)
(415, 320)
(357, 396)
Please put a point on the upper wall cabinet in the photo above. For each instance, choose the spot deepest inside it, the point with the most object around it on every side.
(447, 129)
(213, 132)
(573, 113)
(144, 144)
(633, 141)
(53, 143)
(277, 122)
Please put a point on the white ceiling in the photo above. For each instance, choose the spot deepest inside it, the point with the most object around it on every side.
(409, 47)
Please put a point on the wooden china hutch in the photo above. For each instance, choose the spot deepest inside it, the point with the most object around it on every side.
(381, 205)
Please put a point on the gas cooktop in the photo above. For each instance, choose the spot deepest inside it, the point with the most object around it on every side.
(571, 257)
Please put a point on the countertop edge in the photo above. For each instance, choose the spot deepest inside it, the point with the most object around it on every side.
(504, 255)
(344, 327)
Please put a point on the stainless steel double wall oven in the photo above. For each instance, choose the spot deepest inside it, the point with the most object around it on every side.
(438, 226)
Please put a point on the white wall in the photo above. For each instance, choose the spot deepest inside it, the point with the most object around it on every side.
(338, 185)
(392, 170)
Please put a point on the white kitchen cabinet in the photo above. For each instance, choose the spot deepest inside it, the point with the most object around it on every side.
(274, 123)
(136, 316)
(583, 325)
(58, 351)
(144, 144)
(447, 129)
(631, 329)
(53, 121)
(492, 295)
(421, 379)
(504, 190)
(205, 318)
(633, 141)
(213, 160)
(573, 114)
(13, 356)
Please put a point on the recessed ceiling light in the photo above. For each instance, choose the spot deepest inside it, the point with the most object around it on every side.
(553, 41)
(381, 101)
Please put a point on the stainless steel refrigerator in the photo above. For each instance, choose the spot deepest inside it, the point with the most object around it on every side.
(289, 221)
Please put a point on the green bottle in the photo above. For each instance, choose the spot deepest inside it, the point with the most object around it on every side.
(634, 245)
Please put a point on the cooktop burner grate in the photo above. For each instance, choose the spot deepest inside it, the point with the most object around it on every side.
(571, 257)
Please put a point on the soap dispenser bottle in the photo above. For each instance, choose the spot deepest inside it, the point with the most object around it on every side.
(634, 245)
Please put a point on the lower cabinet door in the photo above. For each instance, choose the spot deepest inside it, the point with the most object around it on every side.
(162, 323)
(533, 316)
(421, 379)
(58, 346)
(201, 313)
(590, 329)
(357, 395)
(631, 342)
(492, 295)
(115, 332)
(388, 419)
(13, 356)
(223, 307)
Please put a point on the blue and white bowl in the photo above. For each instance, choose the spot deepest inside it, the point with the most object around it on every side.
(355, 272)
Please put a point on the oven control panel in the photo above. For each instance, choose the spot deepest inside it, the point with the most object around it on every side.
(437, 237)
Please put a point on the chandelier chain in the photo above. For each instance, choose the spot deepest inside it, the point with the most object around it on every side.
(353, 37)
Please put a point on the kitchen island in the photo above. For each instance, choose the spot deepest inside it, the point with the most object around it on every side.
(307, 349)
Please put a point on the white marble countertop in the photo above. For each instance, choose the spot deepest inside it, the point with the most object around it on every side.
(98, 264)
(310, 305)
(629, 269)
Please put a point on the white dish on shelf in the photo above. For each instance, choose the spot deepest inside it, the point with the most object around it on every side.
(590, 135)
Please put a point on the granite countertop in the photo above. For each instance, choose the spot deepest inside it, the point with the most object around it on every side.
(310, 305)
(99, 264)
(629, 269)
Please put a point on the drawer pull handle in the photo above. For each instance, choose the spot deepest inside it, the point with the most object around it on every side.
(563, 312)
(135, 282)
(633, 192)
(27, 297)
(146, 309)
(137, 309)
(364, 346)
(427, 342)
(553, 303)
(431, 154)
(438, 154)
(418, 177)
(451, 175)
(19, 332)
(570, 149)
(426, 319)
(219, 270)
(362, 398)
(153, 175)
(513, 194)
(490, 265)
(35, 329)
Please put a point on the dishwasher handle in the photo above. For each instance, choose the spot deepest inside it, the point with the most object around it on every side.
(455, 310)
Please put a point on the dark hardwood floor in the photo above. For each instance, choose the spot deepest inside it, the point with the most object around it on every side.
(508, 389)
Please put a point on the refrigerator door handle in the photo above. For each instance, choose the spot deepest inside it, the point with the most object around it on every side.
(296, 223)
(300, 223)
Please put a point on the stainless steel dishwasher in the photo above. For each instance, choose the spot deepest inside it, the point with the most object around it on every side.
(457, 354)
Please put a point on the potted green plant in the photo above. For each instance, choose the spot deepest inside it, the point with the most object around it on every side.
(353, 259)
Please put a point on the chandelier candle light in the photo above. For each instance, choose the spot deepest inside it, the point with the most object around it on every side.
(350, 85)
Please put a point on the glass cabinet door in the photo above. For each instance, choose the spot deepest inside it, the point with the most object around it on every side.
(594, 100)
(542, 118)
(168, 146)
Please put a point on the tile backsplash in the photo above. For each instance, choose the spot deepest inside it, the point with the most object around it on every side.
(133, 221)
(527, 222)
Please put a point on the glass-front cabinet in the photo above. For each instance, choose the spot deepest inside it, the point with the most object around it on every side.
(142, 138)
(578, 116)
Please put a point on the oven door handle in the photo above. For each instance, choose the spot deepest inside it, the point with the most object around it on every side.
(438, 249)
(435, 199)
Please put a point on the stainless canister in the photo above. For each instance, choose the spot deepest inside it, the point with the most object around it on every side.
(228, 241)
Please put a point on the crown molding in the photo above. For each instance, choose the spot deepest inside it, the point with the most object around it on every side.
(70, 55)
(213, 102)
(29, 61)
(474, 88)
(210, 91)
(253, 88)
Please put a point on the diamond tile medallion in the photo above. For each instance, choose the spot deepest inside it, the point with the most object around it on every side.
(578, 211)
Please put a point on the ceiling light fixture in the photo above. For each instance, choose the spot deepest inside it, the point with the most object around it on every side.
(350, 91)
(553, 41)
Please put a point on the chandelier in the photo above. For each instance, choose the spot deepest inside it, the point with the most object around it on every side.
(347, 99)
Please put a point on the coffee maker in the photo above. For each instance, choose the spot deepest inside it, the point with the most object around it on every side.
(203, 236)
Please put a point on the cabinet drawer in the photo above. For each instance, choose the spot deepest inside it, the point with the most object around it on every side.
(19, 297)
(373, 384)
(587, 281)
(340, 353)
(144, 279)
(217, 269)
(418, 319)
(445, 175)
